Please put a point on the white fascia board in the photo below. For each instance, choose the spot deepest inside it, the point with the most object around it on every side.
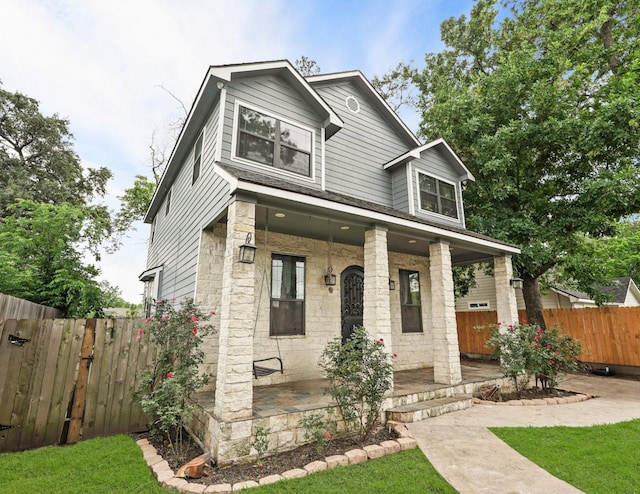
(373, 216)
(410, 155)
(227, 177)
(150, 273)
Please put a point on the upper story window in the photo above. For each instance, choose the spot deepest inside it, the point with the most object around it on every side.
(274, 142)
(197, 159)
(287, 295)
(167, 207)
(410, 305)
(437, 196)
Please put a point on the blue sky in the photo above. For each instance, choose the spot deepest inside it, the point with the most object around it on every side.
(100, 63)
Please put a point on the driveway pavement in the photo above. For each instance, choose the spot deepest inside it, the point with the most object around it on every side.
(474, 461)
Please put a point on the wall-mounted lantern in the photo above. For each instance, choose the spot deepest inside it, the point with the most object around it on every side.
(330, 278)
(392, 284)
(516, 283)
(248, 251)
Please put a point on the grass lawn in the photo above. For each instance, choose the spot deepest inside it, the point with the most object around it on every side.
(598, 459)
(110, 464)
(406, 472)
(115, 465)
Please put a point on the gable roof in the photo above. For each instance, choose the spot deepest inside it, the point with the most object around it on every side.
(362, 83)
(617, 289)
(209, 92)
(440, 144)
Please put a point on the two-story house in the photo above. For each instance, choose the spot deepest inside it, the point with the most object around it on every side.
(351, 219)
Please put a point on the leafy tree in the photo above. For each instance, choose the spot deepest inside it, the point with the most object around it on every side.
(135, 202)
(306, 66)
(37, 160)
(622, 252)
(41, 259)
(541, 102)
(396, 86)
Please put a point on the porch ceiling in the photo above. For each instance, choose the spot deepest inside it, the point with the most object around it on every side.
(320, 224)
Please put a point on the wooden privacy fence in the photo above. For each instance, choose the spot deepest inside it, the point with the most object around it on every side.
(62, 380)
(609, 335)
(17, 308)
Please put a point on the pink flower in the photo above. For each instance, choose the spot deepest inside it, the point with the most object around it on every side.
(381, 340)
(213, 312)
(195, 330)
(148, 319)
(169, 375)
(327, 436)
(536, 338)
(499, 324)
(553, 362)
(549, 346)
(557, 352)
(194, 318)
(540, 331)
(163, 319)
(138, 338)
(173, 299)
(524, 321)
(395, 355)
(140, 331)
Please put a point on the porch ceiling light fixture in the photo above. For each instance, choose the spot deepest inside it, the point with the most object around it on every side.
(248, 251)
(516, 283)
(392, 284)
(329, 278)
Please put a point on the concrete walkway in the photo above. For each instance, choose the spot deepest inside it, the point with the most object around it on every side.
(474, 461)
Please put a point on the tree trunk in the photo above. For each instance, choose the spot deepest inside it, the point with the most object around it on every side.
(533, 301)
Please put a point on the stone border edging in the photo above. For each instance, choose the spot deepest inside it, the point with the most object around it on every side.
(167, 478)
(540, 401)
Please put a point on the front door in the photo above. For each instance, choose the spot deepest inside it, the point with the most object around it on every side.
(352, 282)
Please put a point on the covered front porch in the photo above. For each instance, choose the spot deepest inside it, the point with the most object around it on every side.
(280, 408)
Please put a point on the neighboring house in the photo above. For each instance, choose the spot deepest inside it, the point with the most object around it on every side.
(624, 293)
(355, 223)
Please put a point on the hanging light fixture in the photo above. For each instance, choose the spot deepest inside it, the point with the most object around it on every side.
(248, 251)
(329, 278)
(392, 284)
(516, 283)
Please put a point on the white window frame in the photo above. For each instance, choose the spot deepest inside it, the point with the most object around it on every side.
(271, 169)
(479, 305)
(455, 193)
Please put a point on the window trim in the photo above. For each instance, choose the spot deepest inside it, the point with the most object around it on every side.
(437, 213)
(282, 171)
(485, 305)
(302, 331)
(401, 274)
(197, 158)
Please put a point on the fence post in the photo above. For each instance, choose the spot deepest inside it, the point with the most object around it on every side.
(80, 394)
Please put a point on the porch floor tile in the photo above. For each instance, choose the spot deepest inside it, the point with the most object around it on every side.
(299, 396)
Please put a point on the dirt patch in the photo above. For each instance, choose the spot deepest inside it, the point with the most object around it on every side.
(495, 394)
(274, 464)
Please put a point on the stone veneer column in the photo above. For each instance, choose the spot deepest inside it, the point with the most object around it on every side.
(446, 352)
(506, 302)
(234, 379)
(376, 317)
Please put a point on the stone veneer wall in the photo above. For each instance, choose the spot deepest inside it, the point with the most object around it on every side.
(300, 354)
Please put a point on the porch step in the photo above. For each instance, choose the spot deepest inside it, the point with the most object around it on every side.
(415, 412)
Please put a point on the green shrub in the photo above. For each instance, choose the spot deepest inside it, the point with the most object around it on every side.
(360, 373)
(526, 350)
(319, 430)
(165, 388)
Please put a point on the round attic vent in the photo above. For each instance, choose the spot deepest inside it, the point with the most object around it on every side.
(352, 104)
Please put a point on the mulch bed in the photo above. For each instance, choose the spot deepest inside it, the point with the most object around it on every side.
(530, 393)
(274, 464)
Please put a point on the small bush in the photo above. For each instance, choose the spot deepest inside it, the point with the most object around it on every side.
(526, 350)
(165, 389)
(319, 430)
(360, 374)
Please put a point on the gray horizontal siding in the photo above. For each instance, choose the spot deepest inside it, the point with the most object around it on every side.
(177, 235)
(274, 96)
(356, 154)
(400, 189)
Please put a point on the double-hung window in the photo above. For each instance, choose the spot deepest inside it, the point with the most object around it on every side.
(287, 295)
(437, 196)
(197, 159)
(410, 306)
(270, 141)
